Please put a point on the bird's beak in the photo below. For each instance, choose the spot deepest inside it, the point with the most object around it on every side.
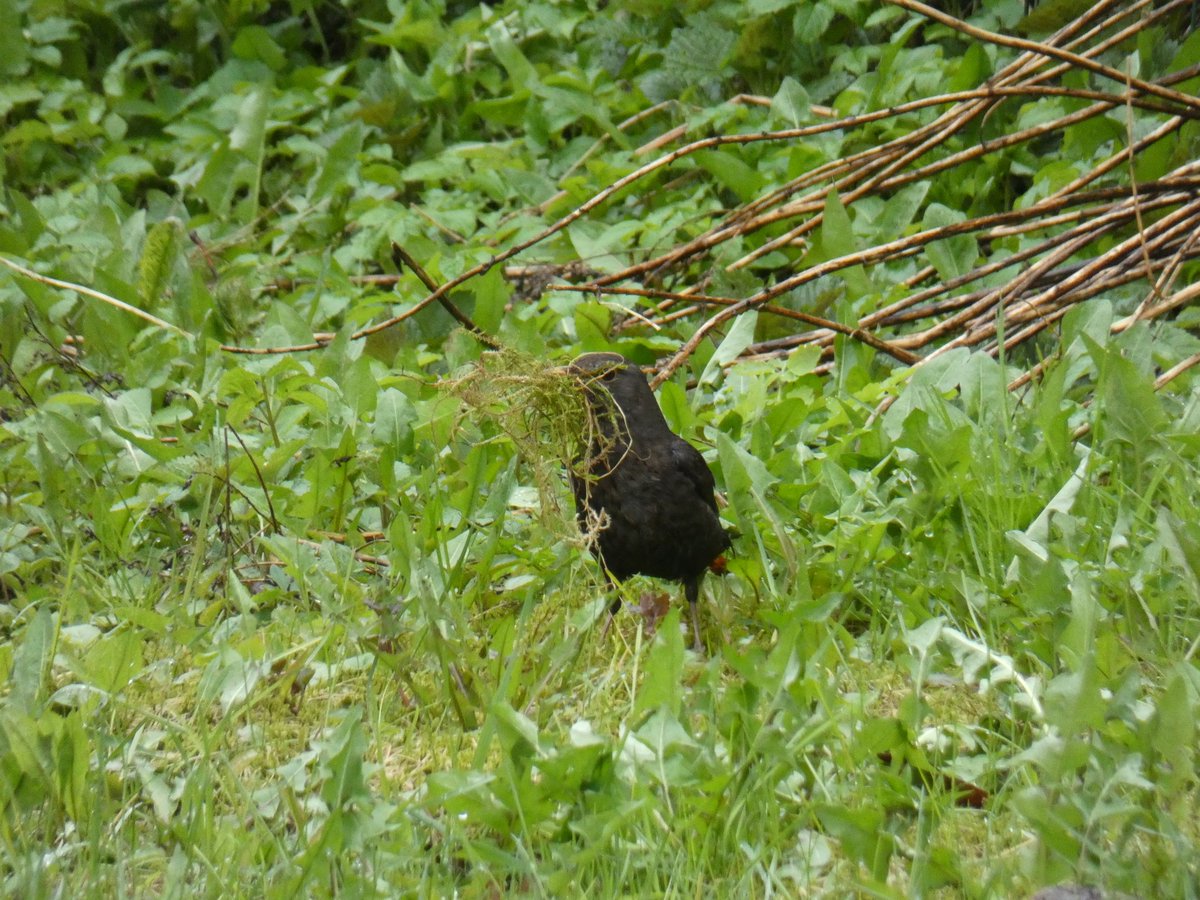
(561, 371)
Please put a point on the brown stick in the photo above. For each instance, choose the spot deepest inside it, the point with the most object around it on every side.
(1146, 87)
(708, 300)
(402, 257)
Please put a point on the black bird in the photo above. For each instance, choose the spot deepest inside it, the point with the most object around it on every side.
(646, 500)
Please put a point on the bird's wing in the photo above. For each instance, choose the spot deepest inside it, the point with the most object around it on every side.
(689, 461)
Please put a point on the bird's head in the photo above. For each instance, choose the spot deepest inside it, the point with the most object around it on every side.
(610, 380)
(599, 366)
(612, 374)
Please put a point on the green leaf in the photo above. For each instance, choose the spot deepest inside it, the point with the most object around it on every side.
(790, 103)
(14, 50)
(250, 129)
(520, 70)
(341, 161)
(248, 138)
(394, 416)
(674, 403)
(129, 414)
(593, 323)
(72, 766)
(1187, 56)
(1073, 701)
(1051, 15)
(661, 687)
(600, 247)
(491, 292)
(744, 472)
(739, 337)
(952, 256)
(699, 49)
(342, 755)
(861, 833)
(1179, 540)
(114, 660)
(731, 172)
(31, 662)
(359, 387)
(518, 733)
(467, 794)
(663, 733)
(1174, 727)
(900, 210)
(837, 235)
(1127, 403)
(973, 68)
(1078, 641)
(255, 42)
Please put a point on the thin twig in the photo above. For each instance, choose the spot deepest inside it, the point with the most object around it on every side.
(402, 257)
(262, 483)
(91, 292)
(858, 334)
(1082, 62)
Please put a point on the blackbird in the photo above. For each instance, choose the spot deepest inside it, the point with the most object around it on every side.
(646, 501)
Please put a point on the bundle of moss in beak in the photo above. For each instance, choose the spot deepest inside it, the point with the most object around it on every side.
(542, 409)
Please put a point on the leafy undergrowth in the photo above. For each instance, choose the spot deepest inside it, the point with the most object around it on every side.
(306, 623)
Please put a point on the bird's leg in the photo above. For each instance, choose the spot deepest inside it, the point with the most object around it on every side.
(691, 590)
(613, 609)
(695, 625)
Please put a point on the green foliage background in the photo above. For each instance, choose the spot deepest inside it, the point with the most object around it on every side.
(204, 694)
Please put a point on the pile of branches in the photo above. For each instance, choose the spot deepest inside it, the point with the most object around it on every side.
(1100, 232)
(1153, 227)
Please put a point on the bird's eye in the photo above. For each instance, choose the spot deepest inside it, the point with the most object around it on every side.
(609, 375)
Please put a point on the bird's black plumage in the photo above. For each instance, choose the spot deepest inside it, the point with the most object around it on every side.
(647, 498)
